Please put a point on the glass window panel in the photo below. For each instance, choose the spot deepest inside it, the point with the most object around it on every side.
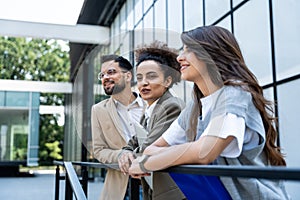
(269, 94)
(174, 22)
(147, 4)
(183, 90)
(253, 34)
(13, 134)
(18, 142)
(287, 40)
(236, 2)
(2, 98)
(130, 14)
(138, 9)
(160, 20)
(125, 45)
(214, 9)
(148, 27)
(138, 35)
(117, 32)
(225, 23)
(4, 128)
(193, 14)
(289, 109)
(175, 15)
(17, 99)
(174, 40)
(148, 19)
(148, 36)
(112, 37)
(32, 159)
(123, 20)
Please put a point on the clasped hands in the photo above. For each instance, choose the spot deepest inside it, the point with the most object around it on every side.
(128, 164)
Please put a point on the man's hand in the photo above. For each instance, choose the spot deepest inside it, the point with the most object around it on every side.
(124, 160)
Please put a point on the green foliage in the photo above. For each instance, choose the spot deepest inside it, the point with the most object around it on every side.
(19, 153)
(50, 133)
(54, 149)
(38, 60)
(20, 147)
(33, 59)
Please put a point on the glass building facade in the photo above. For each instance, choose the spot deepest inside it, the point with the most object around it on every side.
(19, 127)
(268, 34)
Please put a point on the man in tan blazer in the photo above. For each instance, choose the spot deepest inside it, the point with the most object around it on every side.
(113, 121)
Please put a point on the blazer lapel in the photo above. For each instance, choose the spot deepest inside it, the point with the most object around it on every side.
(157, 107)
(115, 117)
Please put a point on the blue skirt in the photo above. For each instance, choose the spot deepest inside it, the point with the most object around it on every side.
(198, 187)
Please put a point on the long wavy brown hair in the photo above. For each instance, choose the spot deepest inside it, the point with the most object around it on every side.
(218, 48)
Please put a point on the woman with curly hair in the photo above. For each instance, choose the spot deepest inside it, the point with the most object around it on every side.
(156, 72)
(227, 123)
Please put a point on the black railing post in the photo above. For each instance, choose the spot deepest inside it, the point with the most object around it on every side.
(57, 179)
(68, 189)
(133, 187)
(84, 181)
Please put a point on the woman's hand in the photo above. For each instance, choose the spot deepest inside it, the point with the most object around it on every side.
(124, 160)
(135, 170)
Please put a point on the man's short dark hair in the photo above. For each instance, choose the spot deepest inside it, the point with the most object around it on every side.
(123, 62)
(109, 57)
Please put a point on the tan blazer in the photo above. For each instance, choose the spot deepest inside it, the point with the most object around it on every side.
(107, 143)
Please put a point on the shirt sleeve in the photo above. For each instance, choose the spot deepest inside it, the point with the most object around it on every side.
(174, 134)
(228, 125)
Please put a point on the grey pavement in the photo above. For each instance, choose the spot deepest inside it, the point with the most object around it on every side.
(40, 187)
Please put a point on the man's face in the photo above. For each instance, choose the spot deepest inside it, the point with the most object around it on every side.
(112, 78)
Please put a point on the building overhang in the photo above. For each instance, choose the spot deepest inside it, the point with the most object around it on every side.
(35, 86)
(94, 12)
(80, 33)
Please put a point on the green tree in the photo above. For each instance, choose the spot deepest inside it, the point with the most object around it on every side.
(38, 60)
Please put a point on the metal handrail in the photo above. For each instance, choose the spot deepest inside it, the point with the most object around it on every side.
(272, 172)
(72, 186)
(72, 178)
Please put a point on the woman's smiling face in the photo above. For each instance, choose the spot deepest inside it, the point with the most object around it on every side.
(151, 81)
(192, 69)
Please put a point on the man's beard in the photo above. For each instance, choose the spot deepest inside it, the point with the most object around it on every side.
(117, 88)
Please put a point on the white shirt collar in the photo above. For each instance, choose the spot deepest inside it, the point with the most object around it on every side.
(137, 100)
(149, 109)
(208, 101)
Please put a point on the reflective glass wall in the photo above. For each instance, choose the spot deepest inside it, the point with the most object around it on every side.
(19, 127)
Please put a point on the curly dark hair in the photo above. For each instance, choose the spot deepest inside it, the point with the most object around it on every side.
(163, 55)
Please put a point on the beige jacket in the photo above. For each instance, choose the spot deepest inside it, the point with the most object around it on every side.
(107, 143)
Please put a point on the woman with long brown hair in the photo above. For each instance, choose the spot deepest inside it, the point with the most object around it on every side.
(227, 123)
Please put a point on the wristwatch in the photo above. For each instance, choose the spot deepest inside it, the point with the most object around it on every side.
(142, 159)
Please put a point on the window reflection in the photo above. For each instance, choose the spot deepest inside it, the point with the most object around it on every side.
(255, 45)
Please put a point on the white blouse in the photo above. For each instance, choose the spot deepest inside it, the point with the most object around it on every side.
(220, 126)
